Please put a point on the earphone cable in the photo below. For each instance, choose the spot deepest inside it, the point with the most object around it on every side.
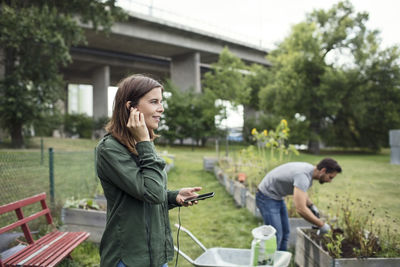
(177, 236)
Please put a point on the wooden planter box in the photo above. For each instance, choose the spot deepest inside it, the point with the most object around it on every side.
(309, 254)
(209, 163)
(219, 175)
(227, 183)
(239, 194)
(294, 224)
(251, 205)
(91, 221)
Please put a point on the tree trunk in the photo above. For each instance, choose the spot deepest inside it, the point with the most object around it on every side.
(203, 141)
(313, 147)
(17, 139)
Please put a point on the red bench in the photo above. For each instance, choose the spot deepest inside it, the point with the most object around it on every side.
(50, 249)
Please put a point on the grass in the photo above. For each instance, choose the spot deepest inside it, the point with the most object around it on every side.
(216, 222)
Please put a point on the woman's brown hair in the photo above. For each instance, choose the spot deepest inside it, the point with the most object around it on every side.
(131, 88)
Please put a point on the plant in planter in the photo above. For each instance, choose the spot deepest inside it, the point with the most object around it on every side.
(254, 161)
(363, 236)
(357, 239)
(85, 203)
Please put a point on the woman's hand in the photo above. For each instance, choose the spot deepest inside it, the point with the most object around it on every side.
(137, 126)
(186, 193)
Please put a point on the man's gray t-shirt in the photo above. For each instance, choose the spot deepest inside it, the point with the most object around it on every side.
(281, 181)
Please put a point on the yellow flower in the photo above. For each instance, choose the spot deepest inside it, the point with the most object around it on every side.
(254, 131)
(284, 122)
(284, 131)
(265, 132)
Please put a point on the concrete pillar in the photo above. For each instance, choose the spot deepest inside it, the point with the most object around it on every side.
(101, 81)
(394, 141)
(185, 71)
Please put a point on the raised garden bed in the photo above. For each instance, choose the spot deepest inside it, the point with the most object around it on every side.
(310, 254)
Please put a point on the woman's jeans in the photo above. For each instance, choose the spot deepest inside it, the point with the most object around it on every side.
(121, 264)
(274, 213)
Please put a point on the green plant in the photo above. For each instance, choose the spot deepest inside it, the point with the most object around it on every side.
(361, 231)
(78, 124)
(47, 123)
(86, 254)
(275, 142)
(100, 123)
(271, 151)
(86, 203)
(334, 244)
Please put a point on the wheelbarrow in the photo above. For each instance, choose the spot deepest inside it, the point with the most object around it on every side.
(229, 257)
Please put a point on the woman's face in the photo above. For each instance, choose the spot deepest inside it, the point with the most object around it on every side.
(151, 107)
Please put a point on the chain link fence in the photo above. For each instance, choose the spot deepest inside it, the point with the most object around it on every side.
(26, 173)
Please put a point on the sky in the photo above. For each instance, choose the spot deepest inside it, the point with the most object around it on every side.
(263, 22)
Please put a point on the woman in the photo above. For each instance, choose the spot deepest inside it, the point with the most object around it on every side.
(132, 175)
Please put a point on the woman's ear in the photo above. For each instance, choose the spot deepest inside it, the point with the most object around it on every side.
(128, 105)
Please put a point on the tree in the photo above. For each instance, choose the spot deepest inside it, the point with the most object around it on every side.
(35, 37)
(370, 104)
(227, 79)
(308, 80)
(174, 117)
(257, 78)
(189, 115)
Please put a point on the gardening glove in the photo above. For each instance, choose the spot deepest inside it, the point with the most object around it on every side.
(324, 229)
(314, 210)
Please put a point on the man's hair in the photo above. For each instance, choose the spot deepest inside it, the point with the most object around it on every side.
(330, 165)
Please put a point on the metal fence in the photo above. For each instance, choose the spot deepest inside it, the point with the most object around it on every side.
(61, 175)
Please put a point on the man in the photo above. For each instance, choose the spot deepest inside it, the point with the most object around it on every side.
(293, 178)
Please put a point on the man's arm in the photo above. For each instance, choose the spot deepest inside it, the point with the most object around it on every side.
(301, 201)
(309, 203)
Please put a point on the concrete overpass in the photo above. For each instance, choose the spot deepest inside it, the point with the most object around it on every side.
(145, 44)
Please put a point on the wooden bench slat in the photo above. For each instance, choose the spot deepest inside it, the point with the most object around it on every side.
(43, 250)
(30, 249)
(52, 249)
(47, 253)
(65, 247)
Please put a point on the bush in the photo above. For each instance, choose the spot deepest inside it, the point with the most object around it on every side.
(78, 124)
(100, 123)
(46, 124)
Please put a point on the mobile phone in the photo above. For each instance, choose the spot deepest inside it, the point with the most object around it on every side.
(199, 197)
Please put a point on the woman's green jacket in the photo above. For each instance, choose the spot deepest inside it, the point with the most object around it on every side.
(135, 186)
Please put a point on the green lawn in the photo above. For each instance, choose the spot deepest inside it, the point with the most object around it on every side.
(216, 222)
